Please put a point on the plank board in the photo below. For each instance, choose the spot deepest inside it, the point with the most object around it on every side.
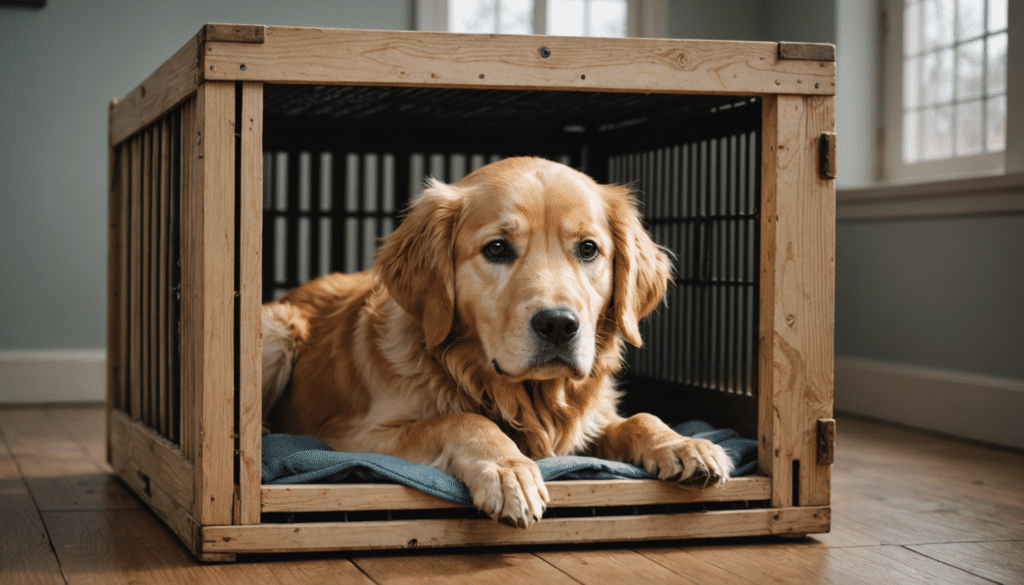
(359, 497)
(122, 547)
(60, 473)
(25, 553)
(797, 297)
(461, 569)
(440, 533)
(356, 57)
(250, 296)
(168, 86)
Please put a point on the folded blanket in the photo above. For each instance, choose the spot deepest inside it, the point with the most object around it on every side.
(294, 459)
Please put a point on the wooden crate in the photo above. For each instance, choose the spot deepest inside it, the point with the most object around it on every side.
(213, 160)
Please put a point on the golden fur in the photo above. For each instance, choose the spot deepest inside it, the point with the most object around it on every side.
(485, 336)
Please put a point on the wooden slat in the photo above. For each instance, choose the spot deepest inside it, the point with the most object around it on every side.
(123, 263)
(797, 296)
(300, 55)
(250, 275)
(168, 86)
(163, 282)
(208, 299)
(135, 287)
(190, 196)
(437, 533)
(151, 320)
(358, 497)
(116, 174)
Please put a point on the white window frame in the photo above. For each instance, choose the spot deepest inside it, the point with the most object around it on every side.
(646, 18)
(893, 169)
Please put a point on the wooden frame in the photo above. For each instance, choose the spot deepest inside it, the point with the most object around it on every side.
(186, 173)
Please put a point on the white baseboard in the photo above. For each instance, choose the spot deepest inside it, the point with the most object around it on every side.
(33, 376)
(976, 407)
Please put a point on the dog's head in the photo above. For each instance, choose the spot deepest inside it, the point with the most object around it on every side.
(535, 260)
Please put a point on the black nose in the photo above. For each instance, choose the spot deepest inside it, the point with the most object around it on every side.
(555, 325)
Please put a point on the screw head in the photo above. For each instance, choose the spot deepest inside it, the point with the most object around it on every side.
(545, 52)
(242, 66)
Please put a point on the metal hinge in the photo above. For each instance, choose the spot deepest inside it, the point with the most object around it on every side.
(826, 441)
(827, 155)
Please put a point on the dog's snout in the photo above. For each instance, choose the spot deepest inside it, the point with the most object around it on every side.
(555, 325)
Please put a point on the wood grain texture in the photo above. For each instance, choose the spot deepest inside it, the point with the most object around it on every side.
(59, 472)
(24, 545)
(797, 297)
(461, 569)
(168, 86)
(359, 497)
(441, 533)
(209, 297)
(250, 276)
(144, 451)
(329, 56)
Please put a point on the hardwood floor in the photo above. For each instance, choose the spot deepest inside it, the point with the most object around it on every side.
(906, 508)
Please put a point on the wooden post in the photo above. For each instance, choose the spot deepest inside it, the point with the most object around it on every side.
(250, 361)
(208, 297)
(797, 297)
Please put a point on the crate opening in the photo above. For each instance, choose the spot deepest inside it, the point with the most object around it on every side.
(340, 163)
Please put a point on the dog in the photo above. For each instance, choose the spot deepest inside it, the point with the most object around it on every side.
(485, 336)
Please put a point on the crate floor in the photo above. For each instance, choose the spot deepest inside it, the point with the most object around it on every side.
(907, 507)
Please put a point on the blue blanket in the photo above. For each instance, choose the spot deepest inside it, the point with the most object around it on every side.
(293, 459)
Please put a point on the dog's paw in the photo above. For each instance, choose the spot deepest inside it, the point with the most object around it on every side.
(690, 463)
(512, 493)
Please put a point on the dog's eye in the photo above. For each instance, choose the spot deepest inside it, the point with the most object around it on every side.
(587, 250)
(499, 251)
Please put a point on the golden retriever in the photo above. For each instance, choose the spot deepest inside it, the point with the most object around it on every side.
(485, 336)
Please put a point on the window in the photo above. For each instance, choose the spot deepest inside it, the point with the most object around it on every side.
(947, 107)
(590, 18)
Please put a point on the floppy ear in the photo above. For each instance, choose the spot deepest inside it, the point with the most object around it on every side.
(642, 268)
(416, 261)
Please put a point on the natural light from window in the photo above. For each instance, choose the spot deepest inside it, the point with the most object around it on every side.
(954, 78)
(589, 18)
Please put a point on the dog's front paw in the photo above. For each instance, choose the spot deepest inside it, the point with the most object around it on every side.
(511, 492)
(690, 462)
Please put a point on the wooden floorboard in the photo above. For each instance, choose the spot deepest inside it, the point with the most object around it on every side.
(907, 507)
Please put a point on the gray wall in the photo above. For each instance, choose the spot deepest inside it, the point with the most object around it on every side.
(939, 293)
(59, 68)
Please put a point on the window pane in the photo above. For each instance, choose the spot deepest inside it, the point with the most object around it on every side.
(996, 124)
(472, 16)
(969, 70)
(608, 18)
(969, 126)
(937, 75)
(911, 76)
(937, 16)
(912, 29)
(911, 132)
(997, 63)
(937, 133)
(516, 17)
(970, 23)
(997, 12)
(565, 17)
